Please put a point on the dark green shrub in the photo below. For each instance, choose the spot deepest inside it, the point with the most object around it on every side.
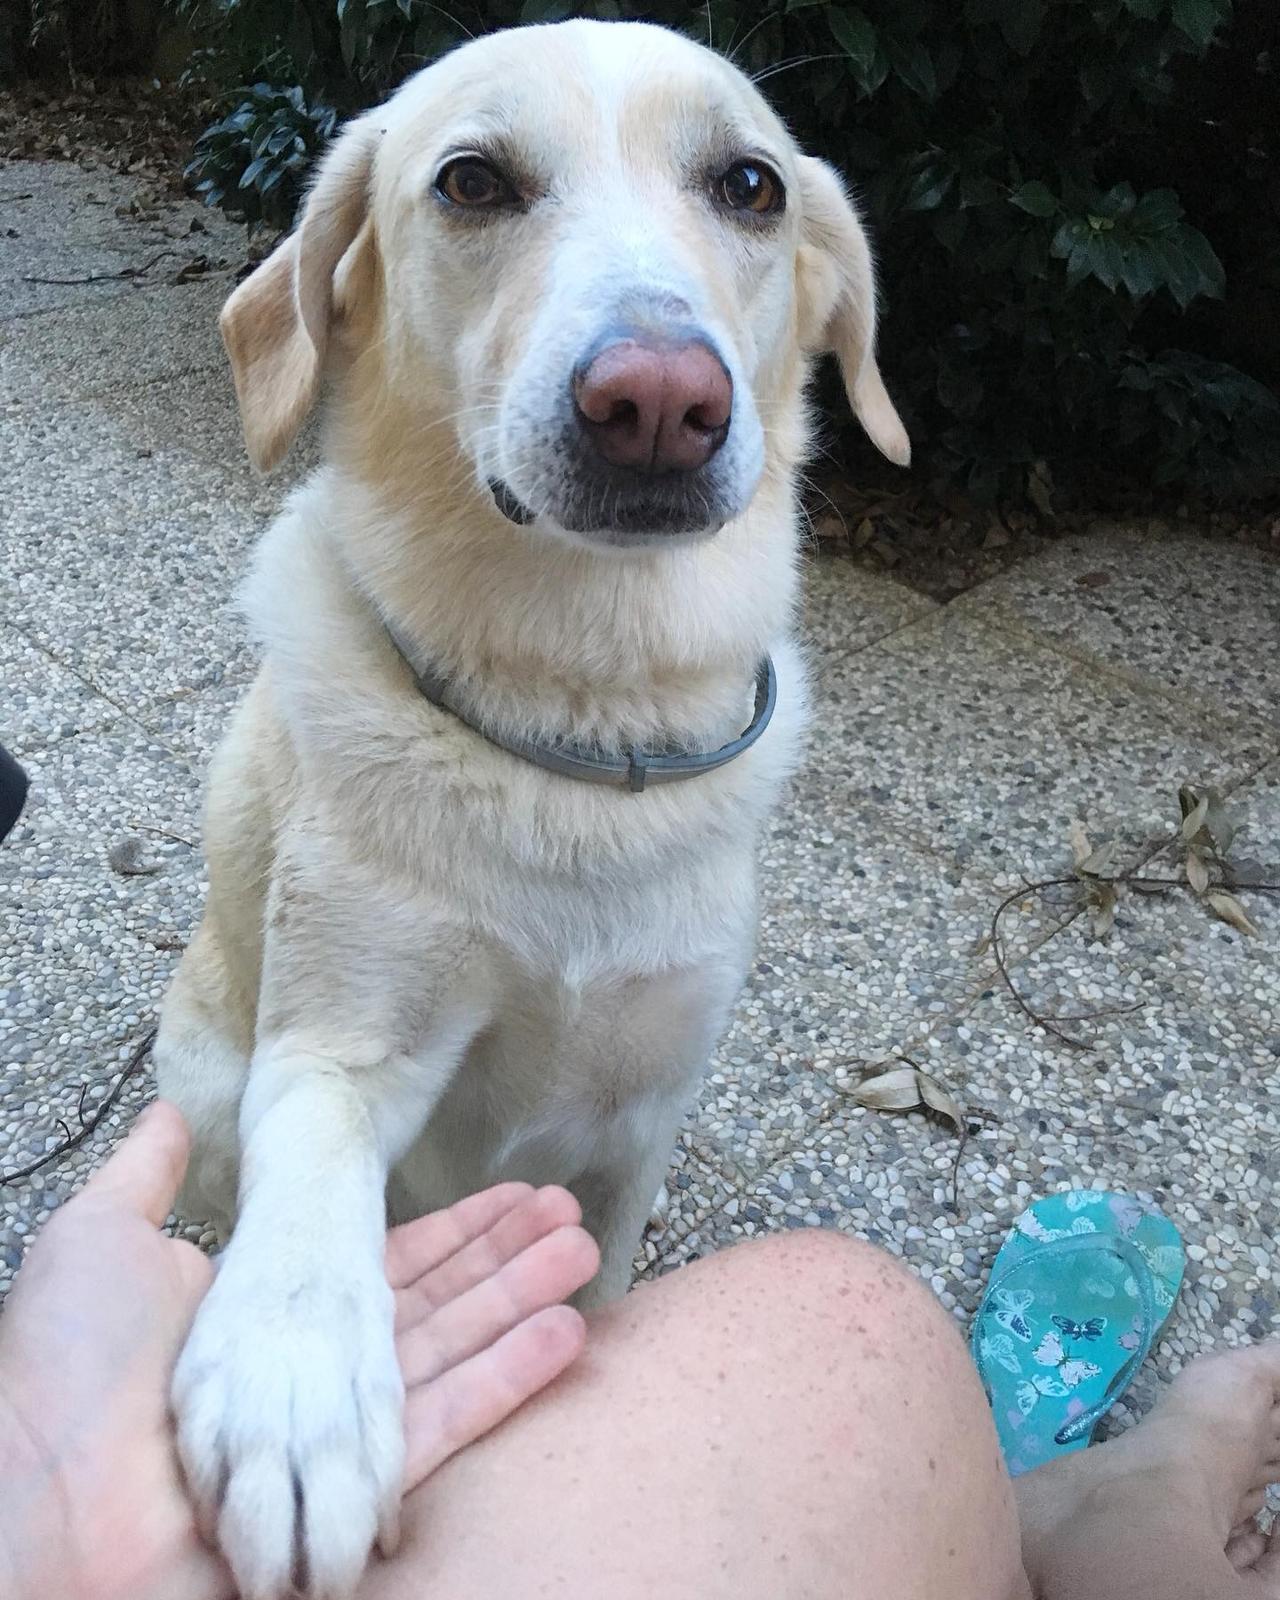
(1051, 276)
(59, 38)
(253, 162)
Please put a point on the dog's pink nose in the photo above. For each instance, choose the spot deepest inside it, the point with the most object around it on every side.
(658, 407)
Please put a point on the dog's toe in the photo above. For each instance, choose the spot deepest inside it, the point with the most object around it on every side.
(290, 1431)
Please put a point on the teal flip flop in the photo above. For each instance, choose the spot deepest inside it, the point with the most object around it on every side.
(1078, 1295)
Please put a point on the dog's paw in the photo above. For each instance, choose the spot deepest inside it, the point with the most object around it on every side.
(289, 1409)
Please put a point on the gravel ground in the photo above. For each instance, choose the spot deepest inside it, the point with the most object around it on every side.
(952, 750)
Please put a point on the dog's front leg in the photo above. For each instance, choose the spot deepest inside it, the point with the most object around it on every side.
(288, 1396)
(616, 1205)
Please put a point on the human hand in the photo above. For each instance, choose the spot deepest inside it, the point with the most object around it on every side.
(94, 1503)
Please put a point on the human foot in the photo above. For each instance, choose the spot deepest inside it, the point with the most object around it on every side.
(1180, 1492)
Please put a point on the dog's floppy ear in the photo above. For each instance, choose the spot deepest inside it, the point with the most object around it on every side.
(837, 302)
(276, 325)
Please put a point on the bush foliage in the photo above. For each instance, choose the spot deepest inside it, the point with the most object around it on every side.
(1071, 199)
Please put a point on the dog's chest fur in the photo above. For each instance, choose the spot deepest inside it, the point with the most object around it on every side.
(578, 946)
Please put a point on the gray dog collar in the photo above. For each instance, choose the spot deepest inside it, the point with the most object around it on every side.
(634, 771)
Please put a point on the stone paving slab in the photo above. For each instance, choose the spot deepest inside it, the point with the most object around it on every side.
(846, 607)
(149, 333)
(41, 700)
(196, 411)
(1199, 621)
(119, 559)
(191, 723)
(86, 953)
(985, 744)
(81, 223)
(69, 259)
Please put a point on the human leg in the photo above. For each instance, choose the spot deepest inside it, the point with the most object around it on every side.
(793, 1418)
(1164, 1512)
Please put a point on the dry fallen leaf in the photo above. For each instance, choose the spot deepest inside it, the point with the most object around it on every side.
(996, 537)
(888, 553)
(1040, 488)
(1230, 910)
(1197, 872)
(909, 1089)
(1100, 860)
(125, 857)
(1193, 820)
(896, 1090)
(1081, 849)
(1102, 902)
(1217, 824)
(939, 1099)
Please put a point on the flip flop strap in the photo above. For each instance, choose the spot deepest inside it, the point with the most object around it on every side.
(1138, 1265)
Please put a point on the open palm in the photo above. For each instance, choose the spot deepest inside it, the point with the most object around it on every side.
(94, 1502)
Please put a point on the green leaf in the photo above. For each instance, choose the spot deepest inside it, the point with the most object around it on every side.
(960, 390)
(855, 35)
(1070, 234)
(250, 175)
(1137, 271)
(1199, 19)
(1035, 198)
(914, 66)
(352, 33)
(927, 188)
(978, 189)
(1157, 209)
(1201, 254)
(949, 229)
(1021, 22)
(1105, 259)
(1117, 202)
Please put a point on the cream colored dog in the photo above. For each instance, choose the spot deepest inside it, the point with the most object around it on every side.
(564, 289)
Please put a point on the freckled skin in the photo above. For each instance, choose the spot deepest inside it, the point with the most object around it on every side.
(730, 1439)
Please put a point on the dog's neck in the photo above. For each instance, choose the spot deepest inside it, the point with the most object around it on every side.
(549, 640)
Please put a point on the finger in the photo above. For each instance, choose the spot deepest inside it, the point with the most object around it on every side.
(442, 1417)
(1246, 1547)
(542, 1275)
(417, 1247)
(540, 1213)
(145, 1171)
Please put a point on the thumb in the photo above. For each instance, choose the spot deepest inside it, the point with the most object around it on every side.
(145, 1171)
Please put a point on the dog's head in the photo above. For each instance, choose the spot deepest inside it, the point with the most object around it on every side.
(590, 260)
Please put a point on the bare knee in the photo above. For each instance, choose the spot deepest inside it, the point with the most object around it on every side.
(827, 1290)
(825, 1407)
(835, 1325)
(841, 1359)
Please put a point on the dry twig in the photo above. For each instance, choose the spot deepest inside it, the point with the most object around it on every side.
(107, 277)
(73, 1141)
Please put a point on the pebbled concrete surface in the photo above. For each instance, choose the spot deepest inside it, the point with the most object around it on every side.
(953, 750)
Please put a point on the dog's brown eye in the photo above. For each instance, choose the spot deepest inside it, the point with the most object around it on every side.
(469, 181)
(751, 186)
